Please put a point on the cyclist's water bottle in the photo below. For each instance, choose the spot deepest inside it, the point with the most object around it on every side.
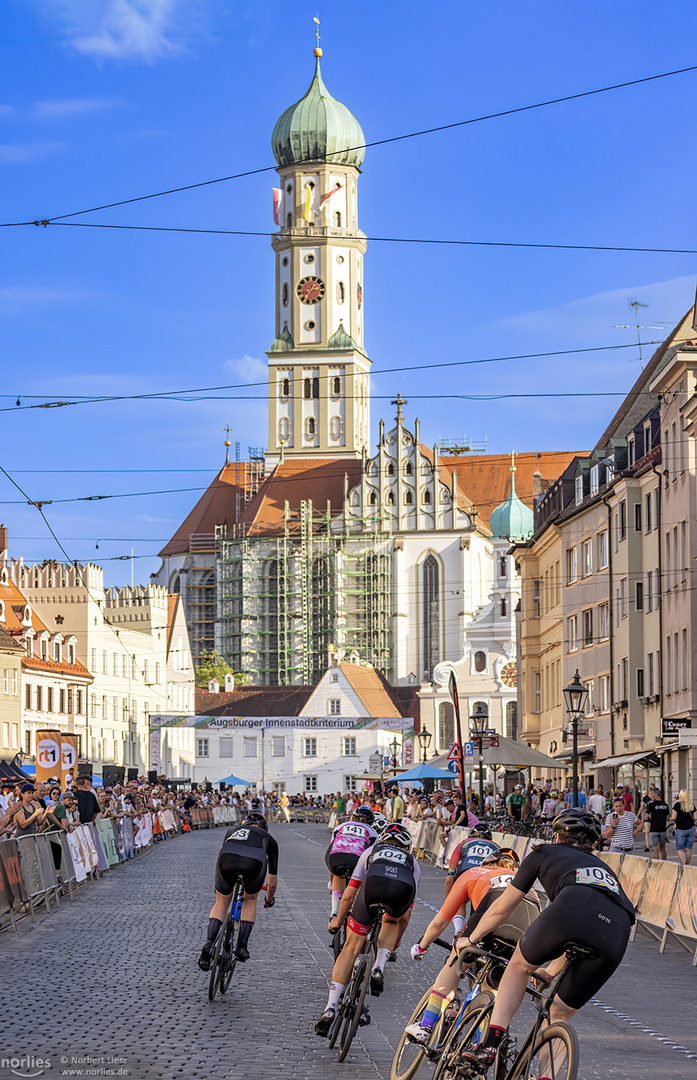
(236, 908)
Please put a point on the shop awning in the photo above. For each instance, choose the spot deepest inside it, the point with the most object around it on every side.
(587, 750)
(509, 753)
(625, 759)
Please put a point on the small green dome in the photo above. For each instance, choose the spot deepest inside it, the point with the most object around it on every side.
(340, 339)
(318, 128)
(512, 518)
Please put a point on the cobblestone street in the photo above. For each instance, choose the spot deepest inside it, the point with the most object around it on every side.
(114, 975)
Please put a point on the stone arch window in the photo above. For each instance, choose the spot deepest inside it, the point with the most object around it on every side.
(427, 496)
(430, 587)
(480, 661)
(289, 221)
(310, 427)
(284, 429)
(511, 720)
(336, 428)
(307, 388)
(390, 469)
(446, 725)
(336, 386)
(408, 498)
(340, 292)
(337, 219)
(504, 607)
(285, 389)
(503, 566)
(285, 294)
(176, 585)
(390, 498)
(315, 387)
(408, 469)
(373, 498)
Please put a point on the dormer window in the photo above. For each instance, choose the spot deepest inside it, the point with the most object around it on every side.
(71, 654)
(30, 646)
(631, 452)
(595, 479)
(647, 438)
(44, 649)
(57, 652)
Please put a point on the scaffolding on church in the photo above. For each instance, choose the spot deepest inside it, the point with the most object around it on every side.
(283, 600)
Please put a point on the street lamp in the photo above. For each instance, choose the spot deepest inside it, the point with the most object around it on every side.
(478, 722)
(394, 747)
(424, 738)
(576, 700)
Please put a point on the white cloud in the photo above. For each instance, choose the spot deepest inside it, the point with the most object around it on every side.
(17, 153)
(248, 369)
(66, 107)
(5, 110)
(124, 29)
(18, 299)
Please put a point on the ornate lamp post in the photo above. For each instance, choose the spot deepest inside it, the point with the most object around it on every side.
(394, 747)
(478, 723)
(576, 700)
(424, 738)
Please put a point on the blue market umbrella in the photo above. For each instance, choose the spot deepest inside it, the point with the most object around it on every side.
(232, 781)
(423, 772)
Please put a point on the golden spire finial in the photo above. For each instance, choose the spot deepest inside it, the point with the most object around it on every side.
(227, 429)
(318, 51)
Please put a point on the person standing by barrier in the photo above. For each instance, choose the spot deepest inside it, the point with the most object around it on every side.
(32, 813)
(621, 827)
(87, 805)
(657, 811)
(684, 816)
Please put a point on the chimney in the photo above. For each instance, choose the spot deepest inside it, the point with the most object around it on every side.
(3, 540)
(536, 484)
(214, 687)
(229, 682)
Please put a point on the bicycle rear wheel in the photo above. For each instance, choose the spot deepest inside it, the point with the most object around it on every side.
(409, 1056)
(227, 959)
(555, 1055)
(477, 1016)
(216, 968)
(353, 1002)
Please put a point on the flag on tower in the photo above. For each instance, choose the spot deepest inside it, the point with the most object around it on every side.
(310, 199)
(277, 196)
(330, 194)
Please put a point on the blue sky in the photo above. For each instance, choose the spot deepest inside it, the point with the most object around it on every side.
(102, 100)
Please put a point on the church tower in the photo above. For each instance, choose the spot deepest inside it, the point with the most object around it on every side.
(319, 403)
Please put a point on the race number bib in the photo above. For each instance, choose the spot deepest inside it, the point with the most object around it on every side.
(478, 851)
(353, 830)
(501, 882)
(239, 834)
(595, 875)
(390, 855)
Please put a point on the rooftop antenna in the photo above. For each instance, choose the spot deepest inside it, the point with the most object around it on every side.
(636, 304)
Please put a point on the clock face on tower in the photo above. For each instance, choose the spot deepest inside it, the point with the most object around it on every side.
(310, 290)
(509, 675)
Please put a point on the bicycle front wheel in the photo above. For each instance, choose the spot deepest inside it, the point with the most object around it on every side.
(555, 1055)
(227, 958)
(462, 1033)
(353, 1004)
(409, 1056)
(218, 952)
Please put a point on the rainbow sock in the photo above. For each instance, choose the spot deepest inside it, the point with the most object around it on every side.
(433, 1010)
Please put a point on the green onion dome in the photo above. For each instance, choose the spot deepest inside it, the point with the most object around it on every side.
(318, 128)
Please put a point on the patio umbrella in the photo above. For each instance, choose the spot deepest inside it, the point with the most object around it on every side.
(232, 781)
(423, 772)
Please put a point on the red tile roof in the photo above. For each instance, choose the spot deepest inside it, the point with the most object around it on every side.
(485, 479)
(372, 690)
(320, 480)
(253, 701)
(216, 506)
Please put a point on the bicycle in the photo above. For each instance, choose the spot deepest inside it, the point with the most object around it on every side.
(352, 1012)
(551, 1051)
(339, 938)
(224, 960)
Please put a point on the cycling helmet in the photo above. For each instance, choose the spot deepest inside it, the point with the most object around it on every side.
(502, 853)
(364, 814)
(482, 831)
(255, 818)
(396, 834)
(380, 822)
(578, 824)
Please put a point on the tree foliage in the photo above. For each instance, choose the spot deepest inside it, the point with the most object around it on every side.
(211, 665)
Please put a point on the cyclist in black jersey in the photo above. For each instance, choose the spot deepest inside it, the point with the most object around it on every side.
(587, 906)
(248, 851)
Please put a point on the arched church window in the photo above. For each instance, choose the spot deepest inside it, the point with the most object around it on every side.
(340, 292)
(283, 429)
(285, 294)
(390, 498)
(408, 498)
(336, 428)
(431, 614)
(336, 386)
(337, 219)
(511, 720)
(176, 586)
(504, 606)
(427, 495)
(390, 469)
(285, 389)
(373, 498)
(503, 566)
(310, 427)
(480, 661)
(289, 221)
(315, 387)
(408, 469)
(446, 725)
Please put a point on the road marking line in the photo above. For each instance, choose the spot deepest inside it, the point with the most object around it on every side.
(646, 1031)
(306, 838)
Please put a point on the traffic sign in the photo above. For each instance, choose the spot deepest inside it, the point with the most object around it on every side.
(454, 751)
(490, 742)
(374, 762)
(468, 751)
(454, 767)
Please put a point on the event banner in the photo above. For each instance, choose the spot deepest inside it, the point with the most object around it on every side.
(69, 750)
(48, 754)
(315, 723)
(155, 761)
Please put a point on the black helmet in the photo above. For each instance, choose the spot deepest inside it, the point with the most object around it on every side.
(579, 824)
(483, 831)
(396, 834)
(364, 814)
(255, 819)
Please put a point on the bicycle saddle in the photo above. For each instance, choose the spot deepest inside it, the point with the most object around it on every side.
(576, 950)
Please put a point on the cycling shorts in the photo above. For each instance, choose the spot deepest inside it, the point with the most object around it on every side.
(585, 915)
(341, 863)
(515, 925)
(394, 895)
(231, 865)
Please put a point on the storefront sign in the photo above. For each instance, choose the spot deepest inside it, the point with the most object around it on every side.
(672, 727)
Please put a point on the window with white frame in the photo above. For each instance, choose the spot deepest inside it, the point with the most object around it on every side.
(647, 513)
(335, 706)
(649, 681)
(640, 682)
(648, 593)
(537, 691)
(250, 748)
(595, 479)
(602, 550)
(201, 748)
(639, 595)
(310, 784)
(309, 746)
(631, 451)
(571, 566)
(590, 700)
(334, 676)
(587, 557)
(579, 489)
(587, 627)
(225, 747)
(622, 521)
(637, 517)
(350, 783)
(278, 746)
(603, 621)
(623, 598)
(349, 745)
(604, 693)
(572, 632)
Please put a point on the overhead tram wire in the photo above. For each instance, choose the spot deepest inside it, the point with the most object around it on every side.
(164, 395)
(375, 142)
